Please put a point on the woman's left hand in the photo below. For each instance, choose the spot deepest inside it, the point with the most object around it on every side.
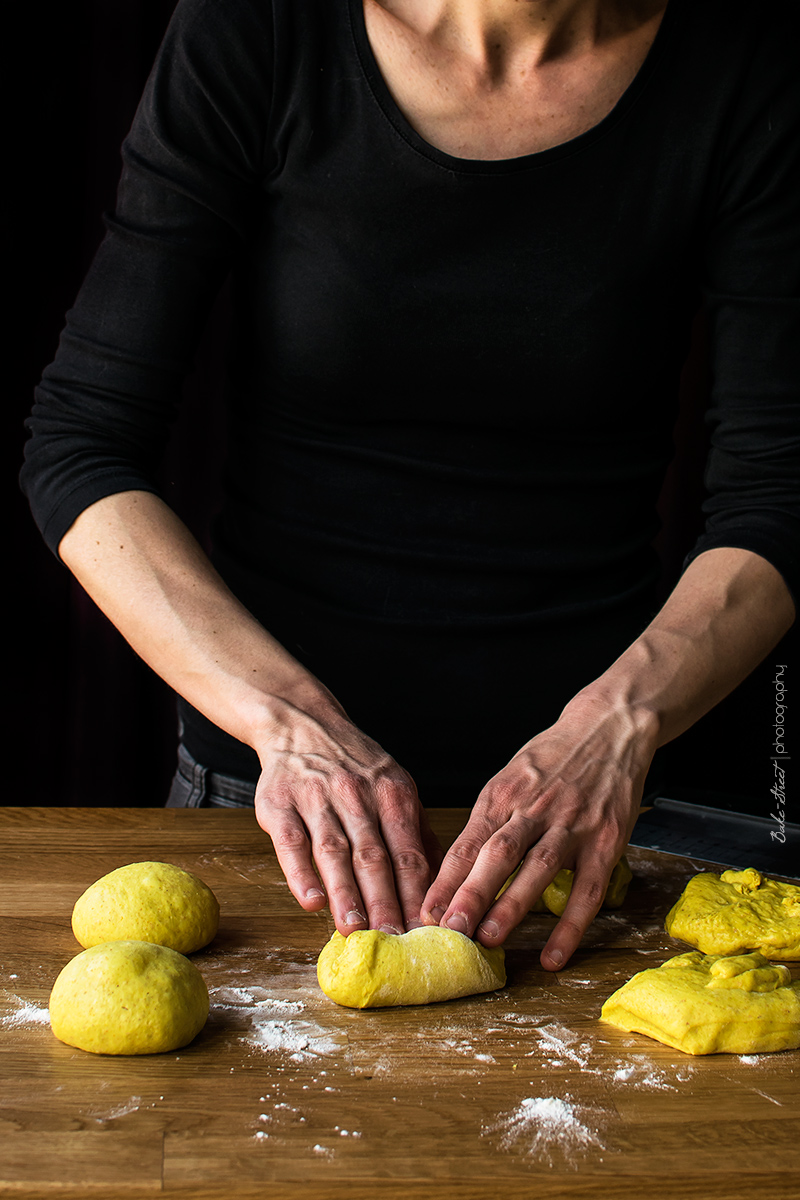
(569, 798)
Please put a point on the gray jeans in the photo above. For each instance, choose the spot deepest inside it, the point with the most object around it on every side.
(194, 786)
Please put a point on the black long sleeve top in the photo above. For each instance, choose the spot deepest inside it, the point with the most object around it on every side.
(451, 383)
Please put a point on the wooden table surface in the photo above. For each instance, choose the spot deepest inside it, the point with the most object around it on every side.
(283, 1095)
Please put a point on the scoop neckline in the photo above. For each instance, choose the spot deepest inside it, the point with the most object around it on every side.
(499, 166)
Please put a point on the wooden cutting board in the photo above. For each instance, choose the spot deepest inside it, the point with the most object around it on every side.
(521, 1093)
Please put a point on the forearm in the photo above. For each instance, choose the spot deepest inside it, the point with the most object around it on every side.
(143, 568)
(340, 811)
(727, 612)
(571, 795)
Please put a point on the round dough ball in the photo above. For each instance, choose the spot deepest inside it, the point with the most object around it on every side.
(372, 969)
(557, 893)
(128, 998)
(148, 902)
(555, 896)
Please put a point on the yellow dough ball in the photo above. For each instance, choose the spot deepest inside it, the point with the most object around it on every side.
(555, 896)
(738, 911)
(149, 902)
(711, 1004)
(371, 969)
(128, 997)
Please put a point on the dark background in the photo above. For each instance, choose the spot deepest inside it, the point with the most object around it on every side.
(90, 723)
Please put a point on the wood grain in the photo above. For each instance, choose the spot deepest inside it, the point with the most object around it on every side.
(284, 1094)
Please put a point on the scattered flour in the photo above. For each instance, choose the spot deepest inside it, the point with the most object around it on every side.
(121, 1110)
(270, 1024)
(544, 1127)
(246, 1000)
(25, 1014)
(557, 1040)
(643, 1073)
(301, 1041)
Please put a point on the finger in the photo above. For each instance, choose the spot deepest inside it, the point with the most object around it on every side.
(411, 867)
(410, 844)
(588, 891)
(333, 855)
(538, 869)
(373, 872)
(497, 859)
(368, 861)
(475, 905)
(293, 851)
(496, 805)
(456, 866)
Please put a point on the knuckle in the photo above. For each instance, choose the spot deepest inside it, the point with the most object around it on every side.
(464, 851)
(277, 795)
(371, 857)
(397, 791)
(289, 837)
(574, 929)
(512, 909)
(593, 893)
(545, 856)
(502, 792)
(586, 898)
(411, 862)
(470, 897)
(503, 847)
(347, 787)
(331, 844)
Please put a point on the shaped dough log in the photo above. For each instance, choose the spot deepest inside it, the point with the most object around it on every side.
(709, 1004)
(371, 969)
(738, 911)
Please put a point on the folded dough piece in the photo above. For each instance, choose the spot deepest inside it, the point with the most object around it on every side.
(371, 969)
(738, 911)
(710, 1004)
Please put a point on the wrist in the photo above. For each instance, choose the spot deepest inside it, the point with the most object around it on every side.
(619, 696)
(273, 714)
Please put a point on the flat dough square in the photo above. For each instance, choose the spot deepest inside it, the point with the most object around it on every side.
(738, 911)
(711, 1004)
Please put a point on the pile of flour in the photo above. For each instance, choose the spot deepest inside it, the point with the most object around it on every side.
(544, 1127)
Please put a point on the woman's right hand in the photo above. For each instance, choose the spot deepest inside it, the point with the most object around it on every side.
(328, 794)
(345, 820)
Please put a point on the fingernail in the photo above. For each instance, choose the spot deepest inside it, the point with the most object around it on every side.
(354, 917)
(556, 958)
(315, 894)
(437, 913)
(490, 929)
(389, 929)
(458, 922)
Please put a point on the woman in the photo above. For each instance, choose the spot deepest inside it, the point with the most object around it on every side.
(466, 241)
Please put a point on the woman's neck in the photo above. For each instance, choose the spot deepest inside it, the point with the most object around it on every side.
(496, 36)
(493, 79)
